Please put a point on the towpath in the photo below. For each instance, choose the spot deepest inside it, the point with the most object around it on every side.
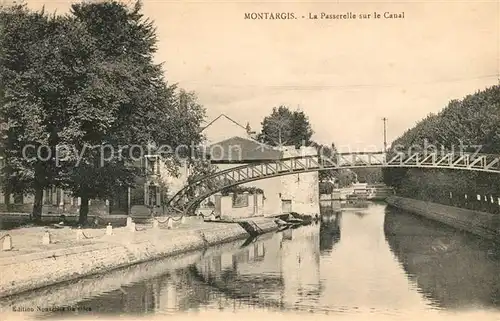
(30, 239)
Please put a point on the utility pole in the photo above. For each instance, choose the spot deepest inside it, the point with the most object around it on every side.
(385, 134)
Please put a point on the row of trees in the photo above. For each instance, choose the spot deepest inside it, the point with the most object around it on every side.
(83, 79)
(464, 125)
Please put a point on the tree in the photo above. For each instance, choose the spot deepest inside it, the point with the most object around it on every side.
(345, 177)
(462, 126)
(86, 99)
(326, 187)
(369, 175)
(149, 113)
(328, 152)
(134, 108)
(31, 74)
(284, 127)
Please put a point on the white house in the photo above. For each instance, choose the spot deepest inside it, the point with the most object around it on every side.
(300, 192)
(228, 140)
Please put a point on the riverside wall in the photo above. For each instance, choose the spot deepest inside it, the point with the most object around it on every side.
(28, 272)
(70, 293)
(483, 224)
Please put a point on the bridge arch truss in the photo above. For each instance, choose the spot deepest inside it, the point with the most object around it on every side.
(191, 195)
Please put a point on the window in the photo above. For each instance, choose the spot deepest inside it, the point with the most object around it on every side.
(49, 194)
(136, 196)
(240, 200)
(151, 165)
(153, 195)
(261, 250)
(68, 199)
(59, 198)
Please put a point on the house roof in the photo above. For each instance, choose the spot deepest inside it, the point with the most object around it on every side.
(222, 116)
(241, 149)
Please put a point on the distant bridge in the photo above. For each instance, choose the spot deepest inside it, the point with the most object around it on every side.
(191, 195)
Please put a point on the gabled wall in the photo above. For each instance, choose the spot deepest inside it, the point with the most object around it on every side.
(222, 128)
(301, 189)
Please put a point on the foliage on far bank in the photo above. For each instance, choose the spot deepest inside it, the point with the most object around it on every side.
(468, 125)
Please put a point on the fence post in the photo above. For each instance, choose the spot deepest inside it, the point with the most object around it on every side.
(109, 229)
(79, 233)
(46, 238)
(7, 243)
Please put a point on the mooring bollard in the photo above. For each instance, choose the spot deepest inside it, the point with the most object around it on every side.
(7, 243)
(170, 223)
(79, 233)
(109, 229)
(156, 224)
(46, 238)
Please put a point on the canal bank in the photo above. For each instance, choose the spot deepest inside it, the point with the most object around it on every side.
(483, 224)
(27, 269)
(70, 293)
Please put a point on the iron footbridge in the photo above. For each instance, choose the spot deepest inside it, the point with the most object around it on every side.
(191, 195)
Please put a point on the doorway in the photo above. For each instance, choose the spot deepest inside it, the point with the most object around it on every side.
(286, 206)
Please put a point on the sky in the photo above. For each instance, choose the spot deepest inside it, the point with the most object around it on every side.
(346, 75)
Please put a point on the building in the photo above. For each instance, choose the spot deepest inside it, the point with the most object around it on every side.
(300, 192)
(228, 140)
(151, 190)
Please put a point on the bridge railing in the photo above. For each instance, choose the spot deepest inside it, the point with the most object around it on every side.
(473, 161)
(217, 181)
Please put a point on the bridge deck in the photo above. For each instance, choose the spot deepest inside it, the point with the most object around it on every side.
(187, 198)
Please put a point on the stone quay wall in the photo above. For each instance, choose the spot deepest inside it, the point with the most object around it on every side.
(27, 272)
(483, 224)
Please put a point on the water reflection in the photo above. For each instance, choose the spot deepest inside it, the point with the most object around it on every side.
(329, 232)
(456, 269)
(376, 260)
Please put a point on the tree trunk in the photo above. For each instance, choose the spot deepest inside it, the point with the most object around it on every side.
(84, 210)
(36, 214)
(7, 198)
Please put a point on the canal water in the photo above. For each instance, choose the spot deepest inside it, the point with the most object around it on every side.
(366, 259)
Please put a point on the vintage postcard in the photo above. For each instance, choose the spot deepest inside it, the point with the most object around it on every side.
(247, 159)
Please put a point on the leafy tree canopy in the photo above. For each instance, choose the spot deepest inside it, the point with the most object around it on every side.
(286, 128)
(466, 125)
(86, 80)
